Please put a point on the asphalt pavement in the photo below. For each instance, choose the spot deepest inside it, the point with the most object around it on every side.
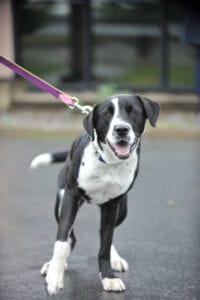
(160, 238)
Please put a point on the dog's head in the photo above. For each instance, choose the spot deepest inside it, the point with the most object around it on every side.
(117, 123)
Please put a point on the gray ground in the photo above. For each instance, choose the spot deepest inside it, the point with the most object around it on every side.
(160, 238)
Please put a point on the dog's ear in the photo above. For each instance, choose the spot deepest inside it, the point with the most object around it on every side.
(88, 123)
(151, 108)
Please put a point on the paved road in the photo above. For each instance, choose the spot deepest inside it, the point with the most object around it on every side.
(160, 238)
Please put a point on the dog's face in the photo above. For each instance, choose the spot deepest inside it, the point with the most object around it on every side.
(117, 123)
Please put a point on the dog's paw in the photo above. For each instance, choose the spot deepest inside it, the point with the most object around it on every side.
(54, 277)
(118, 263)
(45, 267)
(113, 285)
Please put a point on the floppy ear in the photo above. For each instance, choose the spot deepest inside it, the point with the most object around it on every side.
(151, 108)
(88, 123)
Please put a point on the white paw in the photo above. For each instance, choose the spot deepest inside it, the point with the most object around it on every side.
(55, 268)
(45, 267)
(113, 285)
(54, 277)
(118, 263)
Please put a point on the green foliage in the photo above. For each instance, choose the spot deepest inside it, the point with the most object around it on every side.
(148, 74)
(106, 89)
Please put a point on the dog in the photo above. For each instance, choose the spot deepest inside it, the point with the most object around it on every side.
(100, 168)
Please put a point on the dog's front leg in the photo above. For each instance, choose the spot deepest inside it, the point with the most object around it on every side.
(109, 213)
(56, 267)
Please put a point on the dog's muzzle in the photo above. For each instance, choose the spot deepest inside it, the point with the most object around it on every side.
(122, 148)
(122, 140)
(121, 131)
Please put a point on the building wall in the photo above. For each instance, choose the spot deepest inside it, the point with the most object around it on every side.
(6, 36)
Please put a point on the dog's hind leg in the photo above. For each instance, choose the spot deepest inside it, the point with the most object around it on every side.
(118, 263)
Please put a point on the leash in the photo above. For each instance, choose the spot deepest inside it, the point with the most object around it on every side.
(70, 101)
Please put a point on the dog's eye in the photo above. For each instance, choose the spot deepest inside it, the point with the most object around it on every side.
(132, 113)
(108, 114)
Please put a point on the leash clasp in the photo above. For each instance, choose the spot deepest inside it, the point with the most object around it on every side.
(85, 109)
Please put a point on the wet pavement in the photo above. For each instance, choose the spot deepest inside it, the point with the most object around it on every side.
(160, 238)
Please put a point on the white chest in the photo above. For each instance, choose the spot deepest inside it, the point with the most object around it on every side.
(102, 181)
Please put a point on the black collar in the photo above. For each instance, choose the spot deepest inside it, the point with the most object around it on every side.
(101, 159)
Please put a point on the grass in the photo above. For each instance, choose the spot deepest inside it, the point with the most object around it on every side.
(182, 75)
(43, 69)
(149, 74)
(44, 40)
(141, 74)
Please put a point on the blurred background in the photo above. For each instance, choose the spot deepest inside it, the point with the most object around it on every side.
(91, 49)
(96, 48)
(135, 44)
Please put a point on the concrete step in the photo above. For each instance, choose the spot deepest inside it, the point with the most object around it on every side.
(39, 100)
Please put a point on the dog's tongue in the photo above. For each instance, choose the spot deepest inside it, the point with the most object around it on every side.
(121, 150)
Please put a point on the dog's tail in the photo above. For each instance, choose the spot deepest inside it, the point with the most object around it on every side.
(48, 158)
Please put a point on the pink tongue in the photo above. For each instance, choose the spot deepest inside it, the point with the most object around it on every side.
(121, 150)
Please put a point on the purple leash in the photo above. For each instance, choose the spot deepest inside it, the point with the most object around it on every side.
(72, 102)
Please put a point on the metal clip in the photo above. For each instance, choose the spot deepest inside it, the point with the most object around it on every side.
(85, 109)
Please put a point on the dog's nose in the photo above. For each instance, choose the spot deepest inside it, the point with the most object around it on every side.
(122, 130)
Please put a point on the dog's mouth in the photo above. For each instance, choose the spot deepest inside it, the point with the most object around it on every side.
(123, 149)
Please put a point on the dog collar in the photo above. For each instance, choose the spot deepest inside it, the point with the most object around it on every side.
(100, 158)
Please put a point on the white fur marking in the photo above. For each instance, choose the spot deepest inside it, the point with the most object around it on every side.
(61, 193)
(113, 285)
(55, 268)
(41, 160)
(103, 181)
(118, 263)
(117, 120)
(45, 267)
(115, 102)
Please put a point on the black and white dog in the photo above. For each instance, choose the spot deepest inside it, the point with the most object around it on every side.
(100, 168)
